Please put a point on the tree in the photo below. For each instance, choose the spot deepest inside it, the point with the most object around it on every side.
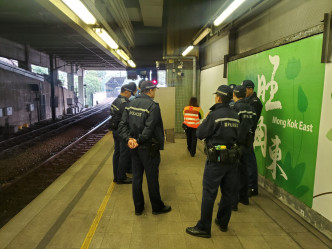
(95, 82)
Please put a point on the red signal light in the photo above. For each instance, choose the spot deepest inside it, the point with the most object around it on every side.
(154, 82)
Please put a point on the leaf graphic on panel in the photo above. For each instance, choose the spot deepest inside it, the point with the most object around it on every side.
(295, 176)
(301, 190)
(329, 135)
(302, 100)
(299, 171)
(293, 68)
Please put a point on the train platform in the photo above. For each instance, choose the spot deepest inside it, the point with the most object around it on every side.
(83, 208)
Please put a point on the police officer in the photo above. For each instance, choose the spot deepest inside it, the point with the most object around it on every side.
(121, 151)
(133, 87)
(245, 140)
(142, 128)
(254, 101)
(220, 131)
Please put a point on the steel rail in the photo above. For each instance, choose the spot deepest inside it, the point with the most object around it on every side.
(45, 128)
(54, 156)
(43, 135)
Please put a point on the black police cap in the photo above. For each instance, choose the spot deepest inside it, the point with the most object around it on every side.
(248, 84)
(147, 85)
(240, 91)
(224, 90)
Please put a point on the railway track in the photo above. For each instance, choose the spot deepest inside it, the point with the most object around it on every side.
(21, 191)
(9, 146)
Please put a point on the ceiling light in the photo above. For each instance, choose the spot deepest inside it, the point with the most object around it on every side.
(81, 11)
(131, 63)
(201, 36)
(227, 12)
(188, 49)
(122, 54)
(102, 33)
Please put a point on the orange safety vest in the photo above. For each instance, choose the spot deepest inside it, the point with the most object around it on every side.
(191, 116)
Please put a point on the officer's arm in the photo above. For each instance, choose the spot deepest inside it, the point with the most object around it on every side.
(206, 128)
(150, 124)
(257, 105)
(124, 126)
(245, 125)
(122, 107)
(114, 108)
(258, 109)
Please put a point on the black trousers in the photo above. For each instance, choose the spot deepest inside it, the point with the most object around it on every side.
(216, 175)
(121, 157)
(191, 140)
(142, 161)
(241, 188)
(252, 170)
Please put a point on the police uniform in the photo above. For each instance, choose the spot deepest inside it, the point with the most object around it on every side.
(245, 139)
(255, 102)
(142, 121)
(121, 156)
(219, 128)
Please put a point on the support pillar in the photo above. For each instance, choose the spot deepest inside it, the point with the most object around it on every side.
(70, 79)
(52, 74)
(26, 64)
(327, 39)
(80, 90)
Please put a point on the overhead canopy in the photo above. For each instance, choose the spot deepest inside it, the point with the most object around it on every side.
(45, 28)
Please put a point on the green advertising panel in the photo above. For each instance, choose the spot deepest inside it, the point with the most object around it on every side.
(289, 81)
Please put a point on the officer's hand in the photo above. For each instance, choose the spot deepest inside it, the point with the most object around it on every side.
(132, 143)
(136, 144)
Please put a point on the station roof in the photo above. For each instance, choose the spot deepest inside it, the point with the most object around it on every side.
(136, 25)
(143, 29)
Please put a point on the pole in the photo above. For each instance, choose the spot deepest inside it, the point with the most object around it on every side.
(52, 86)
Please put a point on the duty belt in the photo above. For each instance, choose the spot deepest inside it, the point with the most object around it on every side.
(222, 154)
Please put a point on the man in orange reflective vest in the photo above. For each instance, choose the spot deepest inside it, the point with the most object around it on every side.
(191, 120)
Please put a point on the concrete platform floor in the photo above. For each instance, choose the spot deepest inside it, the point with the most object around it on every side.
(84, 209)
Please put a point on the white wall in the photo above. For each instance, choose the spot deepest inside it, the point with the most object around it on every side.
(210, 80)
(323, 182)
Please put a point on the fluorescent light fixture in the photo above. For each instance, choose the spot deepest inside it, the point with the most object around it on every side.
(122, 54)
(188, 49)
(81, 11)
(227, 12)
(131, 63)
(102, 33)
(201, 36)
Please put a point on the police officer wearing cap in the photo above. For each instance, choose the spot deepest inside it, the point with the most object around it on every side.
(245, 140)
(142, 127)
(220, 131)
(121, 153)
(254, 101)
(133, 87)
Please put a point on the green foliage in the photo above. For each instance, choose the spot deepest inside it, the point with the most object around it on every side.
(39, 70)
(95, 82)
